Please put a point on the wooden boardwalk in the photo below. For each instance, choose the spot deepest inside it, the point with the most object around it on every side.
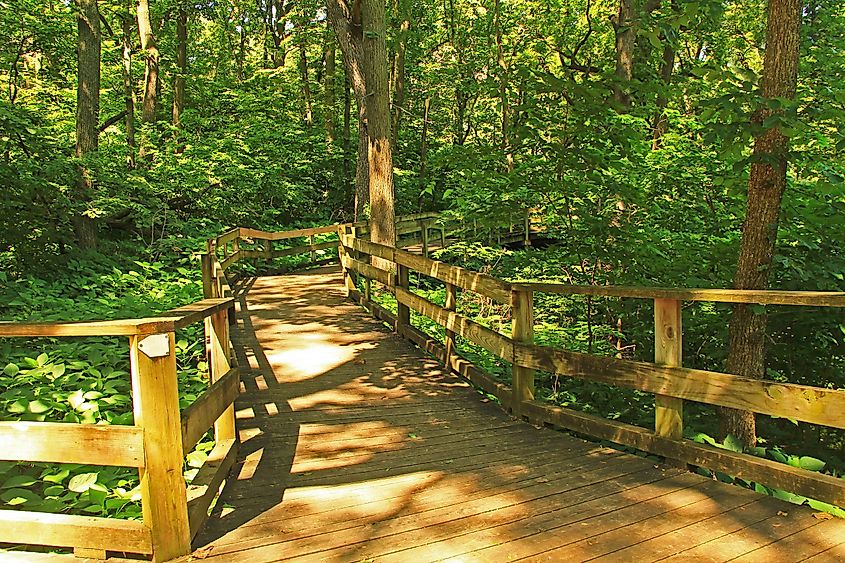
(356, 447)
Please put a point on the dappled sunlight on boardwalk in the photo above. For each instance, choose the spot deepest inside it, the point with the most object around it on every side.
(356, 447)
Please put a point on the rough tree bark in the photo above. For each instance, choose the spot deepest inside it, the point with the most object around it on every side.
(766, 186)
(661, 124)
(87, 114)
(307, 109)
(626, 37)
(346, 22)
(503, 84)
(382, 209)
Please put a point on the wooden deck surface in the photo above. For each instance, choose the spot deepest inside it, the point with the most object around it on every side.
(356, 447)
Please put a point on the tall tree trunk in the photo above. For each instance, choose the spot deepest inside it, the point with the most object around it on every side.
(424, 150)
(307, 110)
(347, 126)
(503, 84)
(766, 185)
(626, 38)
(661, 124)
(330, 52)
(346, 22)
(87, 114)
(181, 64)
(399, 71)
(128, 88)
(148, 44)
(382, 209)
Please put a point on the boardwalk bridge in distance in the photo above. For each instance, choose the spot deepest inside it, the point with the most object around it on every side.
(344, 432)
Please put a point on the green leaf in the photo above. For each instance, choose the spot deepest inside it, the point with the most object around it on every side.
(11, 370)
(15, 497)
(42, 359)
(811, 463)
(58, 477)
(732, 444)
(19, 481)
(38, 407)
(82, 482)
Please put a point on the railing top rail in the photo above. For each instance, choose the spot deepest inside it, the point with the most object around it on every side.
(754, 296)
(166, 322)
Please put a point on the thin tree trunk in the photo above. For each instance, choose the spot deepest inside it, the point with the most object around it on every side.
(382, 209)
(348, 28)
(329, 91)
(424, 150)
(148, 44)
(128, 88)
(766, 185)
(307, 110)
(661, 124)
(503, 84)
(347, 143)
(399, 71)
(181, 64)
(87, 114)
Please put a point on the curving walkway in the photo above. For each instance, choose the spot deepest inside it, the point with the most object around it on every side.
(357, 447)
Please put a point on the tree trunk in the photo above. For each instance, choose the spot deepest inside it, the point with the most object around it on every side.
(503, 84)
(87, 114)
(307, 110)
(382, 210)
(128, 88)
(181, 64)
(399, 71)
(347, 126)
(148, 44)
(661, 124)
(626, 37)
(330, 52)
(766, 185)
(346, 22)
(424, 151)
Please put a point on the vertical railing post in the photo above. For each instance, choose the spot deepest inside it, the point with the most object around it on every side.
(217, 329)
(155, 398)
(207, 266)
(312, 254)
(527, 221)
(424, 230)
(522, 331)
(343, 232)
(451, 305)
(668, 336)
(403, 312)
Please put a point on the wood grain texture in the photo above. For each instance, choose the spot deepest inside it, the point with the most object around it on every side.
(204, 488)
(799, 402)
(200, 415)
(490, 340)
(124, 327)
(65, 530)
(762, 297)
(119, 446)
(668, 351)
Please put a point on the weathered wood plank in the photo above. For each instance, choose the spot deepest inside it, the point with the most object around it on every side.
(195, 312)
(64, 530)
(123, 327)
(800, 402)
(119, 446)
(199, 416)
(228, 237)
(522, 305)
(490, 340)
(762, 297)
(668, 347)
(206, 484)
(282, 235)
(751, 468)
(370, 272)
(234, 258)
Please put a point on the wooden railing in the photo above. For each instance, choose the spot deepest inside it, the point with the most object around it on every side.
(665, 378)
(156, 444)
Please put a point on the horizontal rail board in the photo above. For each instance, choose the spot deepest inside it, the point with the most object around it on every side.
(65, 530)
(761, 297)
(234, 258)
(750, 468)
(228, 237)
(455, 275)
(282, 235)
(369, 271)
(198, 417)
(124, 327)
(488, 339)
(800, 402)
(204, 487)
(60, 442)
(371, 248)
(195, 312)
